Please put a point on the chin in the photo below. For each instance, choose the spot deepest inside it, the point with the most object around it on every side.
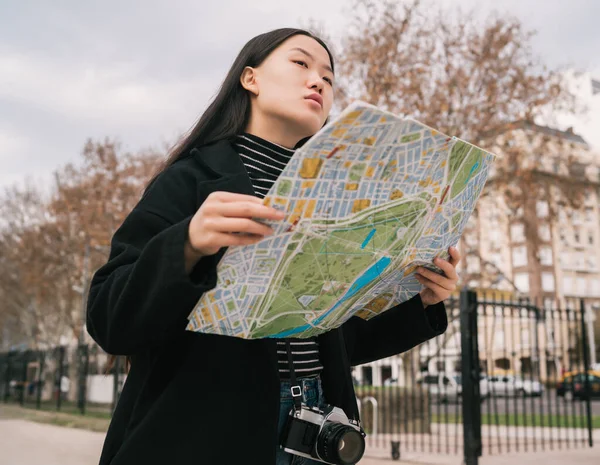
(309, 124)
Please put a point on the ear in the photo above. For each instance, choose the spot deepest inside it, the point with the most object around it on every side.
(248, 80)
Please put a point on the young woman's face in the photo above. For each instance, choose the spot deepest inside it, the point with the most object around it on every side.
(294, 84)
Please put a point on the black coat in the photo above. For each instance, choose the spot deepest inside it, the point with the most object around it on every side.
(195, 398)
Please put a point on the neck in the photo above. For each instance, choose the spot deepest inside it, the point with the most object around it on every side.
(274, 130)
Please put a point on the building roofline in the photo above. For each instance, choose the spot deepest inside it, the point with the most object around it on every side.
(529, 125)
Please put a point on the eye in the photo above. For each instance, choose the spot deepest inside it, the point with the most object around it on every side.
(328, 80)
(301, 63)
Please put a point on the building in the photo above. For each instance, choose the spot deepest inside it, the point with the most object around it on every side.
(555, 266)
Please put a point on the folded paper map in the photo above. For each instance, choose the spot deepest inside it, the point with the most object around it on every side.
(368, 199)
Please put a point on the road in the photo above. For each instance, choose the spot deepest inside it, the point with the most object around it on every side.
(549, 403)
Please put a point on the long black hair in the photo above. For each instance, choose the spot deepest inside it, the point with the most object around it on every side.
(229, 112)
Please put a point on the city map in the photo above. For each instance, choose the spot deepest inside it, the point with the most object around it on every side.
(368, 199)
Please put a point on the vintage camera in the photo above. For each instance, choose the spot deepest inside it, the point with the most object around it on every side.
(325, 435)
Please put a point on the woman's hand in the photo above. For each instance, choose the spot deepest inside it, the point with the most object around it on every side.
(438, 287)
(224, 220)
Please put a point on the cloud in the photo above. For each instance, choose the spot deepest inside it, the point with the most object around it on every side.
(118, 94)
(144, 73)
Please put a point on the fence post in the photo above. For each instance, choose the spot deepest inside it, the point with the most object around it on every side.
(117, 369)
(24, 377)
(586, 377)
(83, 366)
(61, 372)
(8, 375)
(471, 405)
(40, 380)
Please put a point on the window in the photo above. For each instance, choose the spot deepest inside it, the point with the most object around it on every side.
(590, 238)
(542, 208)
(546, 256)
(562, 215)
(580, 261)
(565, 260)
(589, 214)
(544, 232)
(522, 281)
(581, 287)
(519, 256)
(590, 264)
(576, 236)
(473, 264)
(594, 290)
(517, 232)
(470, 239)
(495, 236)
(568, 285)
(548, 282)
(496, 259)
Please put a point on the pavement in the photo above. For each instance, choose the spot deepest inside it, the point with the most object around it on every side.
(26, 443)
(580, 456)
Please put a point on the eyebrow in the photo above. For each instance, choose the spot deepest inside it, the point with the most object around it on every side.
(298, 49)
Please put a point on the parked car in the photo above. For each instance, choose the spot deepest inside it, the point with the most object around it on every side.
(390, 382)
(572, 385)
(447, 387)
(510, 386)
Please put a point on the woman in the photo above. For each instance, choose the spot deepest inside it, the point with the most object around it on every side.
(197, 398)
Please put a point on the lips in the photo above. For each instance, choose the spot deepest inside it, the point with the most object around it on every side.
(317, 98)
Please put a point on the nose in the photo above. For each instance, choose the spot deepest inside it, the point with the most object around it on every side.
(316, 83)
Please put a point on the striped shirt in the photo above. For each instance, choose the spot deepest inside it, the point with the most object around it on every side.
(264, 162)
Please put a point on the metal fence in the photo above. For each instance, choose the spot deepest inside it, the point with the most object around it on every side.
(65, 379)
(506, 376)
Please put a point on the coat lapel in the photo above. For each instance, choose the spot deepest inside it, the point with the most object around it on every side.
(222, 161)
(336, 375)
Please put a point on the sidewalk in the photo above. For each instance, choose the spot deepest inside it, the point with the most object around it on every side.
(557, 453)
(580, 456)
(27, 443)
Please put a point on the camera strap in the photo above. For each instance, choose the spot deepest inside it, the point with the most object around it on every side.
(295, 387)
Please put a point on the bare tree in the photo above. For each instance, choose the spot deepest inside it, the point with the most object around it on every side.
(50, 246)
(467, 77)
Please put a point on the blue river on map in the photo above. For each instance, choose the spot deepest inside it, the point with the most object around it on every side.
(367, 277)
(368, 238)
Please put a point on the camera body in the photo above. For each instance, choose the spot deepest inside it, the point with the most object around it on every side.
(325, 435)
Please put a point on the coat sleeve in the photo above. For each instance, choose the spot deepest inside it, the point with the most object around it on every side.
(394, 331)
(143, 295)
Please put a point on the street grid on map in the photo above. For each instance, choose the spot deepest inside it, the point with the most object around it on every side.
(368, 199)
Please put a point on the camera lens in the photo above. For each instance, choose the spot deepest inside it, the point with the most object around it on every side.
(340, 444)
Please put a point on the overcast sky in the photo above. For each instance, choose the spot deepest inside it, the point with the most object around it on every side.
(143, 71)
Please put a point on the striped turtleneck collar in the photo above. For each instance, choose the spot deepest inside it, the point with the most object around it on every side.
(263, 145)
